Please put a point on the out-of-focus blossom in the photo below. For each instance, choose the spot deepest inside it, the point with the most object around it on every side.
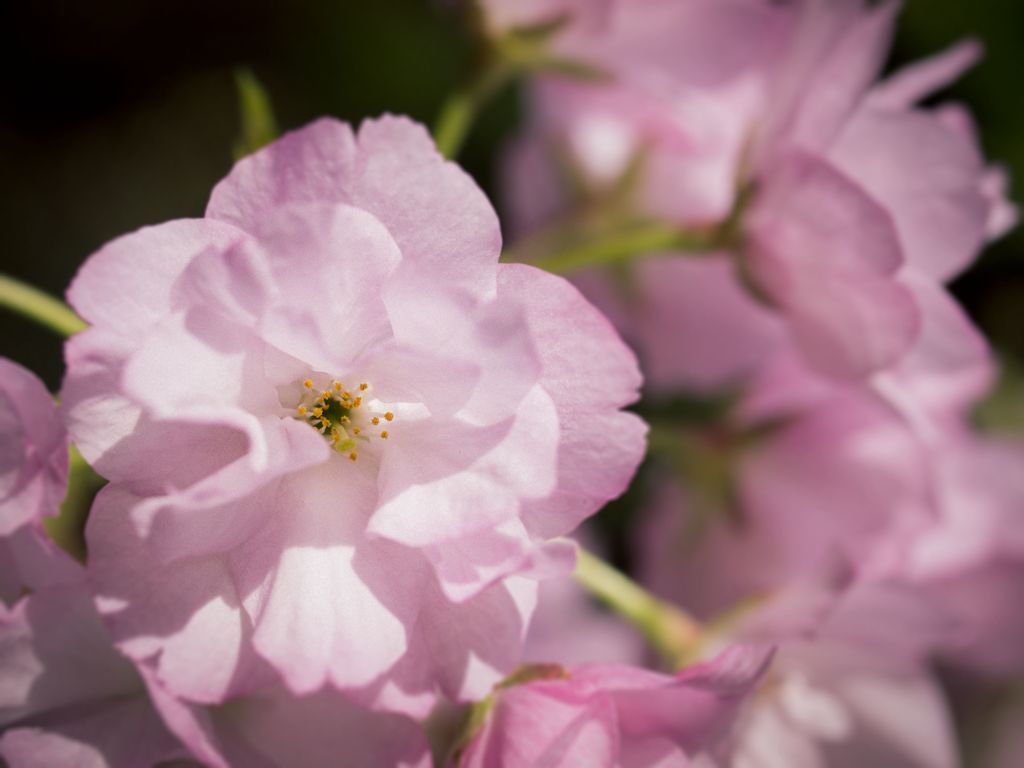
(33, 450)
(929, 530)
(853, 687)
(855, 200)
(970, 558)
(337, 432)
(851, 681)
(33, 482)
(815, 473)
(615, 715)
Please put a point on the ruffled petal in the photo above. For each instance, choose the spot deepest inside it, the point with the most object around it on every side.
(125, 287)
(430, 494)
(443, 224)
(919, 80)
(466, 566)
(185, 618)
(33, 450)
(825, 252)
(947, 369)
(837, 49)
(460, 649)
(929, 177)
(326, 606)
(589, 374)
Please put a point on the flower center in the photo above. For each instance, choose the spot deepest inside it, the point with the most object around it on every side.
(343, 416)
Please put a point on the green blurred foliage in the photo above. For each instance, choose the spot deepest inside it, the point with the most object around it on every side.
(255, 112)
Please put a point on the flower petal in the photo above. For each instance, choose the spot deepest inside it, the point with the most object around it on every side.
(589, 374)
(443, 224)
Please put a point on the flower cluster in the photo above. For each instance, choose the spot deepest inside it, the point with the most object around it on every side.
(347, 445)
(841, 505)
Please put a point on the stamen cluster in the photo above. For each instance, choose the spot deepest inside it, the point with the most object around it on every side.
(338, 414)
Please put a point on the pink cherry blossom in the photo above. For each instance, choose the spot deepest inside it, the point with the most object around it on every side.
(340, 436)
(860, 200)
(615, 715)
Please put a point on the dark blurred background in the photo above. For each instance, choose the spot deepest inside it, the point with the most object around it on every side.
(116, 114)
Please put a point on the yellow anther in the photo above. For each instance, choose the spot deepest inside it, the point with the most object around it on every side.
(356, 430)
(353, 456)
(389, 416)
(345, 419)
(384, 435)
(325, 422)
(375, 420)
(308, 383)
(325, 395)
(302, 410)
(363, 387)
(357, 402)
(347, 395)
(318, 412)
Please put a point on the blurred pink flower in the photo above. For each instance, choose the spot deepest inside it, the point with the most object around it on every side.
(338, 432)
(860, 201)
(920, 541)
(33, 482)
(33, 450)
(853, 688)
(970, 559)
(615, 715)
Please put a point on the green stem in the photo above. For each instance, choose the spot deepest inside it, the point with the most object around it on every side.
(39, 306)
(462, 107)
(673, 634)
(622, 246)
(67, 529)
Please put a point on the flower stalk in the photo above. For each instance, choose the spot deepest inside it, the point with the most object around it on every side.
(37, 305)
(624, 246)
(676, 636)
(463, 106)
